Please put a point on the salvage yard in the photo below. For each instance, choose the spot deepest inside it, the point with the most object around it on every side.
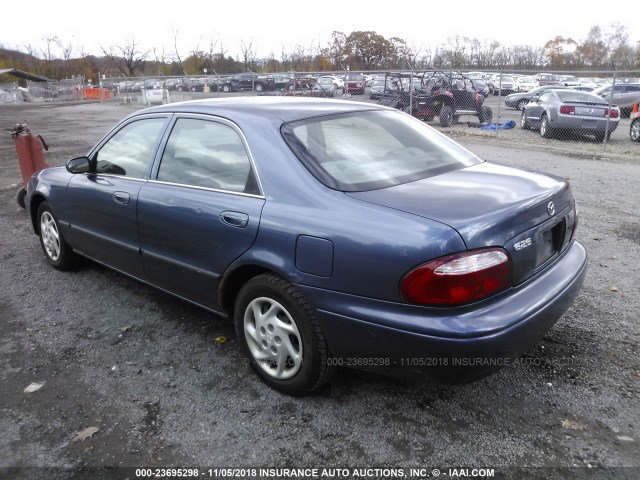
(122, 374)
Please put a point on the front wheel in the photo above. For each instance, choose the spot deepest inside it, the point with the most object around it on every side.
(634, 130)
(20, 195)
(56, 249)
(522, 104)
(278, 331)
(259, 87)
(226, 88)
(446, 116)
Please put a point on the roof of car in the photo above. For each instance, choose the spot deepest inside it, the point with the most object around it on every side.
(284, 108)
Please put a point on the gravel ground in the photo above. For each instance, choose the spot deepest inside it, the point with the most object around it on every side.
(166, 385)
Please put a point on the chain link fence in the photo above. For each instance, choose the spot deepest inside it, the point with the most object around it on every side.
(576, 107)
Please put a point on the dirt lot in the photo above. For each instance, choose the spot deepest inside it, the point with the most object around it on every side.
(146, 369)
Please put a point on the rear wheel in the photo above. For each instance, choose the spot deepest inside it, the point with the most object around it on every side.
(601, 136)
(278, 331)
(634, 130)
(446, 116)
(56, 249)
(522, 104)
(259, 87)
(545, 128)
(487, 114)
(226, 88)
(524, 124)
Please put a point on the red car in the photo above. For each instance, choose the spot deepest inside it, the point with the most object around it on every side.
(355, 83)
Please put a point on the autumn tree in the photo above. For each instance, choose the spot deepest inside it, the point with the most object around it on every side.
(560, 51)
(368, 48)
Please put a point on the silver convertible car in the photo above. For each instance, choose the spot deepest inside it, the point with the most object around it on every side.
(333, 233)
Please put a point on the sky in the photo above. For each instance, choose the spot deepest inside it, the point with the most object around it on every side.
(269, 26)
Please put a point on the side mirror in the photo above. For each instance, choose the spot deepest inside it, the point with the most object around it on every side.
(535, 98)
(79, 165)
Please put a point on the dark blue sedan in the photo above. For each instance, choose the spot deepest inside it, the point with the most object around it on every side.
(333, 233)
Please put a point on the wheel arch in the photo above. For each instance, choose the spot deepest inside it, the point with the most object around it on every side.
(234, 279)
(36, 201)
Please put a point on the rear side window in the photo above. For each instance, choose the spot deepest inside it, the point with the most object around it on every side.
(208, 154)
(130, 150)
(370, 150)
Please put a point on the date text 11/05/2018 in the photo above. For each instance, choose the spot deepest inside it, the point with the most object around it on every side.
(311, 473)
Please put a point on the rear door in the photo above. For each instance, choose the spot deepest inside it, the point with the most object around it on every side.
(201, 210)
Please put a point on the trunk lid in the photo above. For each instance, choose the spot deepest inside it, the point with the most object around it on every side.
(529, 214)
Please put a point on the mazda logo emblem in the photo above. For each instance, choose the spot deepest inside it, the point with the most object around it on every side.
(551, 208)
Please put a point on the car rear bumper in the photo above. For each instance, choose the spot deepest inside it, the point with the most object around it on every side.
(448, 345)
(583, 124)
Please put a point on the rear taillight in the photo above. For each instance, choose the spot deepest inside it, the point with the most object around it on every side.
(568, 110)
(614, 112)
(458, 279)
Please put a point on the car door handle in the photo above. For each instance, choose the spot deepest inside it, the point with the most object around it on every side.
(121, 197)
(234, 219)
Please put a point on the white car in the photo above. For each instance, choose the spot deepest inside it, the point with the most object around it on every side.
(525, 83)
(337, 81)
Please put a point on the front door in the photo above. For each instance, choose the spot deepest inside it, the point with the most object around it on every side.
(103, 204)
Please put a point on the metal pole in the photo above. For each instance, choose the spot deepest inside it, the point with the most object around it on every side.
(346, 81)
(497, 122)
(613, 87)
(253, 80)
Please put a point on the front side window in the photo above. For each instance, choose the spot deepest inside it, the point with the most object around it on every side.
(370, 150)
(129, 152)
(207, 154)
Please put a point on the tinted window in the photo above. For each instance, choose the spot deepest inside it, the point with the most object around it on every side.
(370, 150)
(130, 151)
(207, 154)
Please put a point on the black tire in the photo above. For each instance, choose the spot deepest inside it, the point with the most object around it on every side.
(272, 342)
(56, 250)
(524, 124)
(486, 114)
(446, 116)
(634, 130)
(601, 136)
(521, 104)
(226, 88)
(20, 194)
(259, 87)
(545, 128)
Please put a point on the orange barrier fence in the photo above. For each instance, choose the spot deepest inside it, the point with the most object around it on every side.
(96, 93)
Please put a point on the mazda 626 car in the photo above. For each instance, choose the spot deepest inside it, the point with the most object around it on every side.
(331, 232)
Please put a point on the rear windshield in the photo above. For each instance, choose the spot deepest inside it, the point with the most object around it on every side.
(371, 150)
